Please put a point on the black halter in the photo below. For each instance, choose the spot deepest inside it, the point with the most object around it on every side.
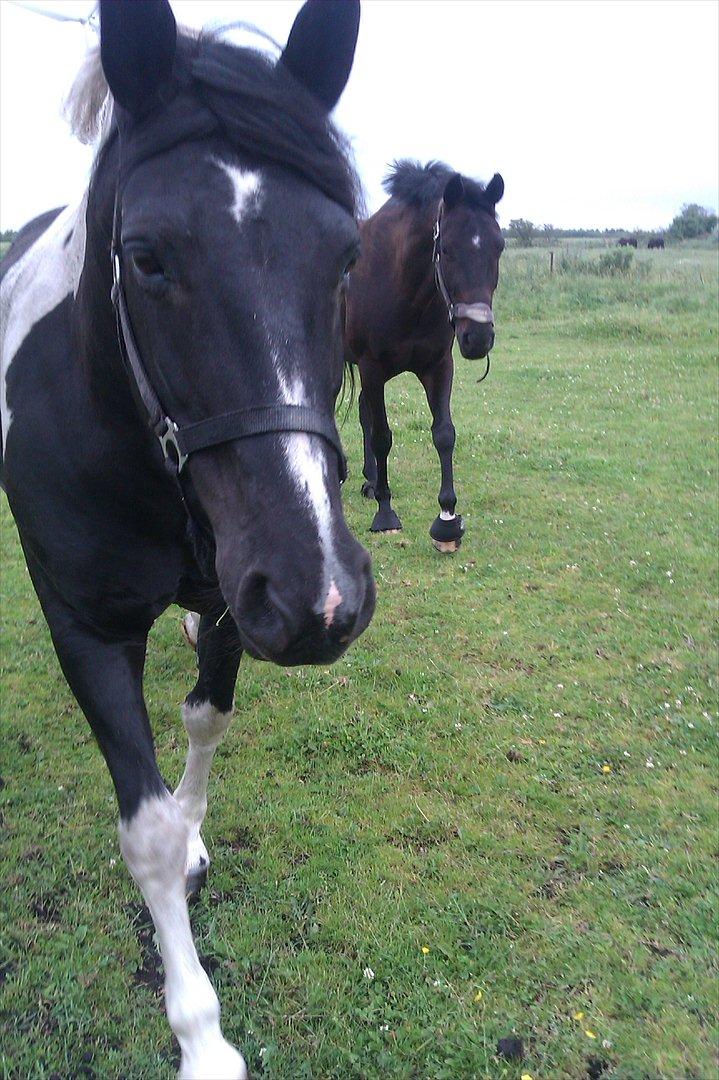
(213, 431)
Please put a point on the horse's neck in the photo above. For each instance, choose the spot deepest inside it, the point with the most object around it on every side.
(95, 326)
(417, 266)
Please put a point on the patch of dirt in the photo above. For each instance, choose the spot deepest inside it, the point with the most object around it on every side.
(150, 972)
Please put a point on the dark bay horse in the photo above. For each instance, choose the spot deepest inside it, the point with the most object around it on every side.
(428, 270)
(176, 443)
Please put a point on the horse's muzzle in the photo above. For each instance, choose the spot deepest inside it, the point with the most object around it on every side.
(475, 339)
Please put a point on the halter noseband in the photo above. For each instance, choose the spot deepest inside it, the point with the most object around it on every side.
(185, 439)
(479, 313)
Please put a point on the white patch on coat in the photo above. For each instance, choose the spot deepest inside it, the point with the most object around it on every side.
(246, 187)
(476, 240)
(307, 463)
(41, 279)
(154, 845)
(205, 726)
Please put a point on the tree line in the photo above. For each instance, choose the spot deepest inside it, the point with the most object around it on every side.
(692, 221)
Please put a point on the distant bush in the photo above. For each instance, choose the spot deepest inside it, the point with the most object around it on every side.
(612, 263)
(693, 221)
(522, 231)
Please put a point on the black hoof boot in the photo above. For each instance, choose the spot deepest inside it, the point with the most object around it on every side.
(447, 535)
(367, 490)
(386, 521)
(196, 880)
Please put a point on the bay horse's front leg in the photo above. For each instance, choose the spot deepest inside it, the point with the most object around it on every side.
(369, 467)
(385, 520)
(206, 714)
(447, 528)
(105, 676)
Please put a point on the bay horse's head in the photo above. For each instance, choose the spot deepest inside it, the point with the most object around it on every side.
(468, 244)
(234, 230)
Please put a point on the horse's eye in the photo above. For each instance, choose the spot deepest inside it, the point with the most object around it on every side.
(148, 266)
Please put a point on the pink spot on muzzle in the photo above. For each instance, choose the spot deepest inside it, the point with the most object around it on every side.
(333, 601)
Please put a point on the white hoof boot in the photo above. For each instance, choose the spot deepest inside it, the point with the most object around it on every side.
(218, 1062)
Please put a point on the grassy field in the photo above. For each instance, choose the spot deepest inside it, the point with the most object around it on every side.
(497, 816)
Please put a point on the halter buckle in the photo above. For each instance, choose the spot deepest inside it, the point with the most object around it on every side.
(169, 438)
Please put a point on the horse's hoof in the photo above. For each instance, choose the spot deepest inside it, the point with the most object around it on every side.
(386, 521)
(189, 628)
(367, 490)
(195, 881)
(196, 867)
(221, 1062)
(447, 534)
(447, 547)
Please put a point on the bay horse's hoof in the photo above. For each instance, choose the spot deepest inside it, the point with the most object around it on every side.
(367, 490)
(386, 521)
(447, 534)
(189, 628)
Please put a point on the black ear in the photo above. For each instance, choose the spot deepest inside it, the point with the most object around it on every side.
(454, 191)
(137, 45)
(494, 189)
(321, 47)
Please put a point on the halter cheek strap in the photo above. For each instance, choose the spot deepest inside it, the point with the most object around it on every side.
(179, 441)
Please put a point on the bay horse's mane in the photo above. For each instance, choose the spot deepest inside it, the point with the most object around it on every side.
(254, 102)
(423, 185)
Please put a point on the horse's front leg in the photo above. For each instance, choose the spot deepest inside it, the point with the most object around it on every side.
(106, 678)
(206, 714)
(385, 520)
(369, 467)
(446, 530)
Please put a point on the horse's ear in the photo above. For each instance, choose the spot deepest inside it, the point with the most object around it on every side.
(454, 191)
(494, 189)
(321, 47)
(138, 39)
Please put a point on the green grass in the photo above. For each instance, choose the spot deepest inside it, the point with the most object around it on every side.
(442, 786)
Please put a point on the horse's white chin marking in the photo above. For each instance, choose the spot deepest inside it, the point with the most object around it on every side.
(48, 272)
(246, 187)
(154, 846)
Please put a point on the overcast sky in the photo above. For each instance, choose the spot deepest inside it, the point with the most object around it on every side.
(596, 112)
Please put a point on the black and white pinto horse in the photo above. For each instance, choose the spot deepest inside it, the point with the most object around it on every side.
(220, 214)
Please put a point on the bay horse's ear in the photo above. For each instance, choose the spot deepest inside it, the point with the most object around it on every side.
(138, 39)
(494, 189)
(454, 191)
(321, 47)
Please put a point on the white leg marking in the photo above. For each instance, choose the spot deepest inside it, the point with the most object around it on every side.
(205, 725)
(246, 188)
(47, 273)
(154, 844)
(446, 515)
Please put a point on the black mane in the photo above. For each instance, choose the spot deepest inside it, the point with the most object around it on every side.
(422, 185)
(258, 106)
